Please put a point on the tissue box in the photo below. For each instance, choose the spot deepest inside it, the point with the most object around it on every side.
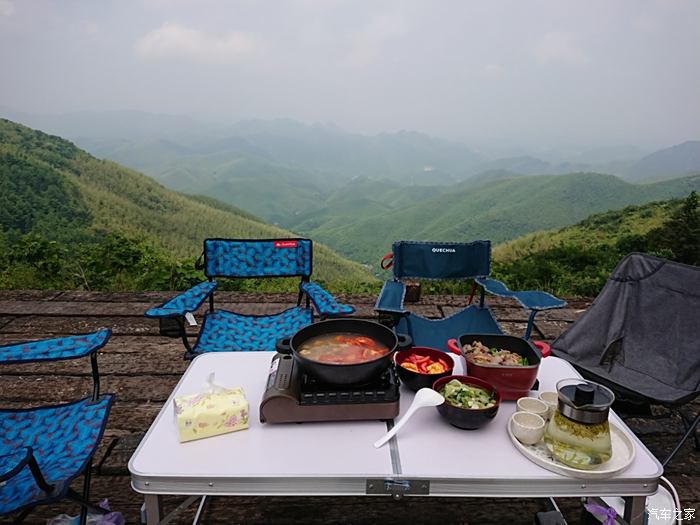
(205, 415)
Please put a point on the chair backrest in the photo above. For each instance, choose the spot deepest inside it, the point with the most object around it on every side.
(641, 333)
(441, 260)
(258, 257)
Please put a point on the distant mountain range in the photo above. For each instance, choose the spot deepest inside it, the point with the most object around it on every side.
(682, 159)
(497, 210)
(358, 193)
(156, 143)
(278, 169)
(52, 188)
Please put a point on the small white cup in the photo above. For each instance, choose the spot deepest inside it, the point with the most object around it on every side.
(533, 406)
(528, 428)
(551, 399)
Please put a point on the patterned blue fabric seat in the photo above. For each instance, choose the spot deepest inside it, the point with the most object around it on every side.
(450, 261)
(226, 331)
(43, 449)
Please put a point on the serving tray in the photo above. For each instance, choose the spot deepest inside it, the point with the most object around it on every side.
(622, 456)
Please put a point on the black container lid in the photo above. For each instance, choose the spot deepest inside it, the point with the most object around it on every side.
(587, 395)
(584, 401)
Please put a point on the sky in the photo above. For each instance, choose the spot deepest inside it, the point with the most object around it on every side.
(539, 73)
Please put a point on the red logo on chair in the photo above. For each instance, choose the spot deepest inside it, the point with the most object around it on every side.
(286, 244)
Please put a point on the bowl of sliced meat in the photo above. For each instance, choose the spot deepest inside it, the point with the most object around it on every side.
(508, 363)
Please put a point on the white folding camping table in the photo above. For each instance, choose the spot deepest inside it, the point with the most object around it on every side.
(338, 458)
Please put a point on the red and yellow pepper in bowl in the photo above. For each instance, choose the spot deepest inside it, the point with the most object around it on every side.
(420, 366)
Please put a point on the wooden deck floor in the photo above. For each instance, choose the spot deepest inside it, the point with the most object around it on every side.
(142, 368)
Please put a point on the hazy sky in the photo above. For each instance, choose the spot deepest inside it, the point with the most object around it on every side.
(542, 73)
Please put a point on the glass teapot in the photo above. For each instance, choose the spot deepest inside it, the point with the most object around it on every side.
(578, 434)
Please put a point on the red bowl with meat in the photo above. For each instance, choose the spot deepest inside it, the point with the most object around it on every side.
(420, 366)
(507, 362)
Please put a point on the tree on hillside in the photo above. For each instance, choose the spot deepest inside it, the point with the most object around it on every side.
(681, 233)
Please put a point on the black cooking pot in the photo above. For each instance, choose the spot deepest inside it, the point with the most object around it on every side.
(344, 374)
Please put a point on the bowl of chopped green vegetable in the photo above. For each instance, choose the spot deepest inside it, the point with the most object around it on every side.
(470, 402)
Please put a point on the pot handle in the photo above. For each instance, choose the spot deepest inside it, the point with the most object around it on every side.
(453, 346)
(404, 341)
(544, 348)
(283, 346)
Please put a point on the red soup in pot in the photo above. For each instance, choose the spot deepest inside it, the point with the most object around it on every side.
(342, 349)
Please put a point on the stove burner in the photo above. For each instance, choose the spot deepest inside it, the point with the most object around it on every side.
(384, 389)
(293, 397)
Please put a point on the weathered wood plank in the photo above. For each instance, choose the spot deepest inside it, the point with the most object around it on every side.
(550, 329)
(150, 362)
(516, 313)
(156, 297)
(516, 329)
(561, 314)
(5, 320)
(29, 295)
(79, 325)
(117, 344)
(55, 389)
(112, 309)
(502, 312)
(115, 462)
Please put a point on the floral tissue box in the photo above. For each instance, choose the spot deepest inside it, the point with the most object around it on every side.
(210, 414)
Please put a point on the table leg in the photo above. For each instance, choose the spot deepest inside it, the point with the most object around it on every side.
(634, 509)
(154, 509)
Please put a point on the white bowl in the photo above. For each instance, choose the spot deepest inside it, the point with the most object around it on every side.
(551, 399)
(528, 428)
(533, 406)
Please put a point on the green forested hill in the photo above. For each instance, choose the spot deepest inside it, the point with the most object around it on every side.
(497, 210)
(356, 201)
(577, 260)
(609, 228)
(57, 193)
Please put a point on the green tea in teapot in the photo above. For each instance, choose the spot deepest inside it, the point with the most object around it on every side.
(578, 433)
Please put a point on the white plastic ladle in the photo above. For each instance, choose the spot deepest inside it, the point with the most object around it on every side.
(425, 397)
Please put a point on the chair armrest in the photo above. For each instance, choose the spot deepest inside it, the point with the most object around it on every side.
(13, 463)
(324, 302)
(71, 347)
(391, 298)
(185, 302)
(532, 299)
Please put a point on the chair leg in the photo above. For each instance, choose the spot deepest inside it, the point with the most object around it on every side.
(530, 324)
(22, 515)
(183, 334)
(694, 425)
(86, 493)
(78, 499)
(691, 427)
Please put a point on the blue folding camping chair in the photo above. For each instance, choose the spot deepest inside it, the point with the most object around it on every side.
(43, 449)
(449, 261)
(226, 331)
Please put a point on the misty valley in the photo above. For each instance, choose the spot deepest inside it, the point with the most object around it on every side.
(354, 194)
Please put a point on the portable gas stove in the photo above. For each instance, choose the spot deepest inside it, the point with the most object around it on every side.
(292, 396)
